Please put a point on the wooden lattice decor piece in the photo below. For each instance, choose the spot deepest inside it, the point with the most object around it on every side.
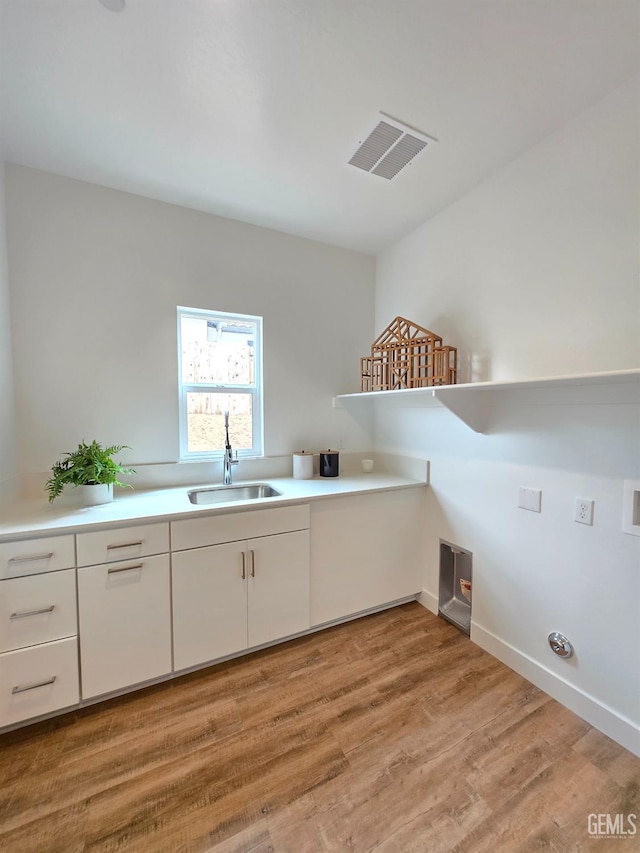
(406, 355)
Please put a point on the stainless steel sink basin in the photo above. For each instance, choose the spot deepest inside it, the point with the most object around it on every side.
(223, 494)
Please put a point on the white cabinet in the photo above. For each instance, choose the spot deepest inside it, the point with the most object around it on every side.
(124, 606)
(133, 611)
(125, 623)
(38, 627)
(234, 596)
(366, 551)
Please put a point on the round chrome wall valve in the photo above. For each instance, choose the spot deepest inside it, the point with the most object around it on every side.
(560, 645)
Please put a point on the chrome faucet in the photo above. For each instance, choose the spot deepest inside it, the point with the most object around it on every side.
(229, 458)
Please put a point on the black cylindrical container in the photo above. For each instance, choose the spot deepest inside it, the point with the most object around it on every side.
(329, 463)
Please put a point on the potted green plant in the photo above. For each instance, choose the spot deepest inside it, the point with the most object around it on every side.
(90, 468)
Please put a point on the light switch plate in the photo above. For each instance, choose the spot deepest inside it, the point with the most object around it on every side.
(530, 499)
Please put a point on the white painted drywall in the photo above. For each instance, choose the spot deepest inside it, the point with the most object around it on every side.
(7, 433)
(537, 273)
(96, 276)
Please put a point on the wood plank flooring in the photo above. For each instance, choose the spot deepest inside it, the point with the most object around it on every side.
(393, 733)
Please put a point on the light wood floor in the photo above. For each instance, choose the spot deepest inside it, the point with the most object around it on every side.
(393, 733)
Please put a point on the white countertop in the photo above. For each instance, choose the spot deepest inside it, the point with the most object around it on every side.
(27, 518)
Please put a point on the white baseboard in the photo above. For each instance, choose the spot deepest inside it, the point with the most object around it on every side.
(619, 728)
(428, 600)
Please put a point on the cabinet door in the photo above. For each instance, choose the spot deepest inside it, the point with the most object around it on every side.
(278, 586)
(125, 623)
(209, 603)
(366, 551)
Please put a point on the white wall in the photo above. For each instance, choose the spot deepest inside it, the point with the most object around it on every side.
(535, 273)
(96, 276)
(7, 434)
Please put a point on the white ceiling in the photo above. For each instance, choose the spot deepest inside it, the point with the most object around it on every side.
(251, 108)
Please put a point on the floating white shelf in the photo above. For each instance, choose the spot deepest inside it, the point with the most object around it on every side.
(472, 402)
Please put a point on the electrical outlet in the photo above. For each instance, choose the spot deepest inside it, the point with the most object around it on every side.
(530, 499)
(583, 512)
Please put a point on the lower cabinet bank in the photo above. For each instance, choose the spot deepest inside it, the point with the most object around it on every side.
(136, 604)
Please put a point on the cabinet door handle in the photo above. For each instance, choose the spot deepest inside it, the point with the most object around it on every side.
(32, 558)
(244, 565)
(124, 545)
(22, 688)
(20, 614)
(114, 571)
(253, 563)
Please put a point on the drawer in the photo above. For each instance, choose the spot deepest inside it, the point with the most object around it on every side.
(217, 529)
(122, 543)
(37, 609)
(35, 556)
(38, 680)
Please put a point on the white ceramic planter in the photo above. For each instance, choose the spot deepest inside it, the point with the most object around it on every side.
(101, 493)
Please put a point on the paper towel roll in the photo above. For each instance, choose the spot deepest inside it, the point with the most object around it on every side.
(303, 465)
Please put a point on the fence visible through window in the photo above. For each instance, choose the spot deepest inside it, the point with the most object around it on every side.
(218, 374)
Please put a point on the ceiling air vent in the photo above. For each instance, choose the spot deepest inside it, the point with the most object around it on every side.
(389, 147)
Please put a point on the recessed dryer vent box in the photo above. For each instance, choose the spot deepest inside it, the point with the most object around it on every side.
(455, 591)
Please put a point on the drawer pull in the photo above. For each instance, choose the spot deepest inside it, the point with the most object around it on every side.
(22, 688)
(253, 563)
(32, 558)
(113, 571)
(244, 565)
(124, 545)
(20, 614)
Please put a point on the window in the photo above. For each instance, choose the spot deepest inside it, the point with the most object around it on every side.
(220, 370)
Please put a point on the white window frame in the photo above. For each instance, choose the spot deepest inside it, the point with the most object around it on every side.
(254, 390)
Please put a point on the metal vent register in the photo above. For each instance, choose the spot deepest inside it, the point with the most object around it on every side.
(389, 148)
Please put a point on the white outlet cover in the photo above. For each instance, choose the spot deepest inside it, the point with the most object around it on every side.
(583, 512)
